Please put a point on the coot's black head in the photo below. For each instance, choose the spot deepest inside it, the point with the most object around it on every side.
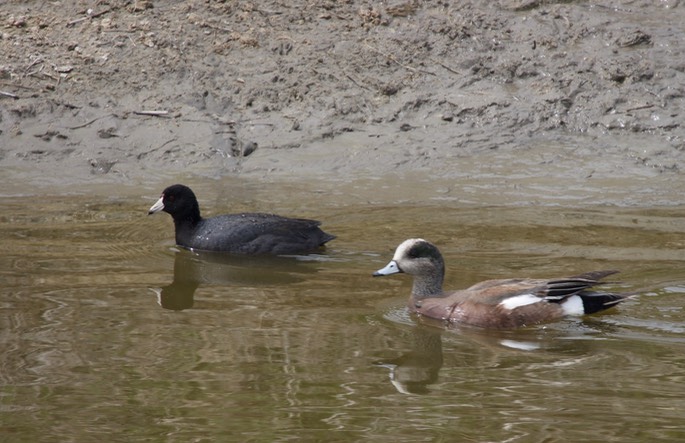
(179, 201)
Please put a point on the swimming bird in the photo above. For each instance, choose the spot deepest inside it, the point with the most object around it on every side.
(245, 233)
(503, 304)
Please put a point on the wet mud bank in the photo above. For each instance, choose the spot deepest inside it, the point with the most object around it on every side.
(521, 99)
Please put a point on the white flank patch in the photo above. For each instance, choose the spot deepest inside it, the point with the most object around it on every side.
(573, 306)
(520, 345)
(518, 301)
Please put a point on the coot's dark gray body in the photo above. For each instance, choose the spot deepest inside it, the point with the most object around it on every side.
(249, 233)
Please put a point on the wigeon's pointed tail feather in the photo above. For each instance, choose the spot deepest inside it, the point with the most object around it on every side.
(599, 301)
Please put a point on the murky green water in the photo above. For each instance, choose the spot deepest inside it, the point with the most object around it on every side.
(110, 333)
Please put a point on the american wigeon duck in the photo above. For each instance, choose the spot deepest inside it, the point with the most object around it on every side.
(505, 304)
(246, 233)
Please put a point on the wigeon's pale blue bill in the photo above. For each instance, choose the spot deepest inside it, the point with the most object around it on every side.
(390, 268)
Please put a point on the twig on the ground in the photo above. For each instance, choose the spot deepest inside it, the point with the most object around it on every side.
(152, 113)
(88, 17)
(452, 70)
(158, 147)
(355, 81)
(88, 122)
(44, 74)
(167, 142)
(9, 94)
(30, 88)
(98, 14)
(31, 65)
(78, 20)
(639, 108)
(217, 28)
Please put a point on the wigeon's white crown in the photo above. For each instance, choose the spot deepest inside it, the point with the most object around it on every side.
(405, 246)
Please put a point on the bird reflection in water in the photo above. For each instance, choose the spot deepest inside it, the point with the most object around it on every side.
(192, 269)
(414, 371)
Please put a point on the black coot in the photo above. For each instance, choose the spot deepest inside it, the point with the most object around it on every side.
(248, 233)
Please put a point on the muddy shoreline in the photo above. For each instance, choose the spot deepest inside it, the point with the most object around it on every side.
(529, 101)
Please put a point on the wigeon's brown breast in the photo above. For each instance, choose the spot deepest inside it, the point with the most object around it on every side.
(437, 308)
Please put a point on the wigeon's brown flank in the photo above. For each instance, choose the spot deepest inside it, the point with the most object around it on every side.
(503, 304)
